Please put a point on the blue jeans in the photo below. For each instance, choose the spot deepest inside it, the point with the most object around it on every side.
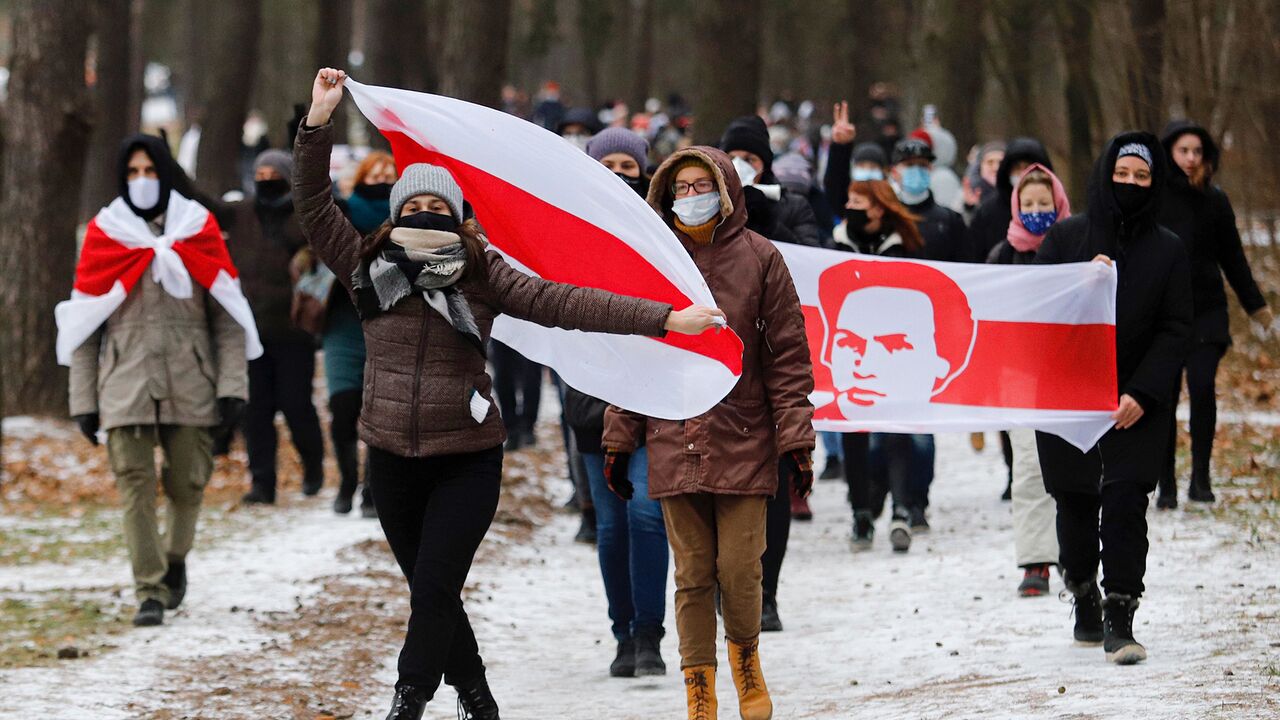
(923, 452)
(832, 445)
(631, 540)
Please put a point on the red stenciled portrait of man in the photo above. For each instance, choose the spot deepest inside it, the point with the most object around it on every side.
(894, 333)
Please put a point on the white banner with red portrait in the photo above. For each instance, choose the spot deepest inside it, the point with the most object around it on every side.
(912, 346)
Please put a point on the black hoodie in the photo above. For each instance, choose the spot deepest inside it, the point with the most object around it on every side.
(1153, 301)
(158, 151)
(1206, 222)
(990, 222)
(1153, 326)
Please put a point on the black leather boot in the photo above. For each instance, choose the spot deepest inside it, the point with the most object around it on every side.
(409, 703)
(475, 701)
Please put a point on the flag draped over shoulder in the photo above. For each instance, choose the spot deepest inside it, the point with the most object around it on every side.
(119, 247)
(914, 346)
(555, 213)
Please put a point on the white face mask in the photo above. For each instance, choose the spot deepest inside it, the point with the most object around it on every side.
(746, 173)
(144, 192)
(696, 209)
(579, 141)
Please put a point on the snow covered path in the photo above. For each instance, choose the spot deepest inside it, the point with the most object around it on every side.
(937, 633)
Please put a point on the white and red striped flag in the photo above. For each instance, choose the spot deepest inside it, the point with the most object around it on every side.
(910, 346)
(554, 212)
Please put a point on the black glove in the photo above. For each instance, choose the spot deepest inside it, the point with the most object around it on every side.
(762, 212)
(797, 465)
(88, 426)
(230, 410)
(616, 465)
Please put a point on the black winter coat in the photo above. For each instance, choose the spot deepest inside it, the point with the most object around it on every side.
(1205, 221)
(1153, 326)
(943, 231)
(990, 223)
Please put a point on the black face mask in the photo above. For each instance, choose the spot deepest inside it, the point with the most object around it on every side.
(428, 221)
(375, 191)
(271, 190)
(1131, 198)
(857, 221)
(639, 184)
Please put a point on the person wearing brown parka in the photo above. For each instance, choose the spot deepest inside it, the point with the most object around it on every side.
(715, 473)
(427, 290)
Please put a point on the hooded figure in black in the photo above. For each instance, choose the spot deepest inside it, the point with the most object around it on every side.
(990, 223)
(1199, 212)
(1153, 331)
(158, 151)
(772, 211)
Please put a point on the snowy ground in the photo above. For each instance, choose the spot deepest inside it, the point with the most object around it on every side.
(937, 633)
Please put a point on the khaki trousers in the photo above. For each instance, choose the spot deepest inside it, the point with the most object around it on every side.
(184, 472)
(1035, 514)
(715, 540)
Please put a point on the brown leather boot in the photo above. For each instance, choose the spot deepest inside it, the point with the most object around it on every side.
(700, 692)
(753, 697)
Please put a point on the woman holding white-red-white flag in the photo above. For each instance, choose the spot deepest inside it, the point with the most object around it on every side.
(1101, 494)
(428, 290)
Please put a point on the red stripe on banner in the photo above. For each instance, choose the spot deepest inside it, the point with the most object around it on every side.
(1042, 366)
(1038, 366)
(559, 246)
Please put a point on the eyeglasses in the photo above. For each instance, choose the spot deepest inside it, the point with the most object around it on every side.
(705, 185)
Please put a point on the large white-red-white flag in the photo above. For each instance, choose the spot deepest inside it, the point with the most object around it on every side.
(910, 346)
(554, 212)
(897, 346)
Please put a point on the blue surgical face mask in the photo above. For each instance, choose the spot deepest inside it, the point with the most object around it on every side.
(915, 180)
(867, 174)
(1038, 223)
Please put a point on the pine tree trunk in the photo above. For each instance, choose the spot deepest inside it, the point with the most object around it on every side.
(1146, 75)
(1075, 28)
(960, 53)
(233, 63)
(117, 97)
(46, 135)
(475, 51)
(642, 77)
(726, 47)
(332, 46)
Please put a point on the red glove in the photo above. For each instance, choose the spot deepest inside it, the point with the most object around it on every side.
(616, 465)
(798, 465)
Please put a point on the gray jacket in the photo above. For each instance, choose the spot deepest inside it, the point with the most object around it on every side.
(159, 359)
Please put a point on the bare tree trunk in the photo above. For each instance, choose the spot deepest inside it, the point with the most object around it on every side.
(233, 64)
(595, 23)
(726, 46)
(1014, 56)
(1146, 74)
(865, 51)
(117, 97)
(45, 139)
(475, 51)
(960, 51)
(1075, 30)
(396, 50)
(332, 46)
(642, 76)
(195, 59)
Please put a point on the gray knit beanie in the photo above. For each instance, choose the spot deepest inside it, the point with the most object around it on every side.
(619, 140)
(278, 160)
(424, 179)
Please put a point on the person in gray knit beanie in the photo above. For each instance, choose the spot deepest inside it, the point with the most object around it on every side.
(424, 179)
(625, 153)
(278, 160)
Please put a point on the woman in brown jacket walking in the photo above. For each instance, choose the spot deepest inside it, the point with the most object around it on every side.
(428, 291)
(715, 473)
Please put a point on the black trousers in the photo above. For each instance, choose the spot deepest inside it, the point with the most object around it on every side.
(280, 381)
(514, 374)
(435, 511)
(776, 534)
(887, 471)
(1116, 518)
(1202, 375)
(345, 408)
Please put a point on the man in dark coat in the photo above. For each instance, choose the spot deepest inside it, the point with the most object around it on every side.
(990, 223)
(943, 229)
(772, 210)
(1199, 212)
(1101, 494)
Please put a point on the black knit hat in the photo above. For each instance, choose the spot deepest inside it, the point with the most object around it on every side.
(869, 152)
(748, 133)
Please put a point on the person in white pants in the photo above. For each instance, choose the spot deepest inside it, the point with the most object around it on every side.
(1035, 515)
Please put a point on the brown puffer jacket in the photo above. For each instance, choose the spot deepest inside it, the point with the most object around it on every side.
(420, 372)
(733, 448)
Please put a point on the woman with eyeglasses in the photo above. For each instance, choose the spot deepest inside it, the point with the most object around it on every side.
(715, 473)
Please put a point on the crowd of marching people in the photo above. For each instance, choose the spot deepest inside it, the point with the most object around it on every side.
(386, 272)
